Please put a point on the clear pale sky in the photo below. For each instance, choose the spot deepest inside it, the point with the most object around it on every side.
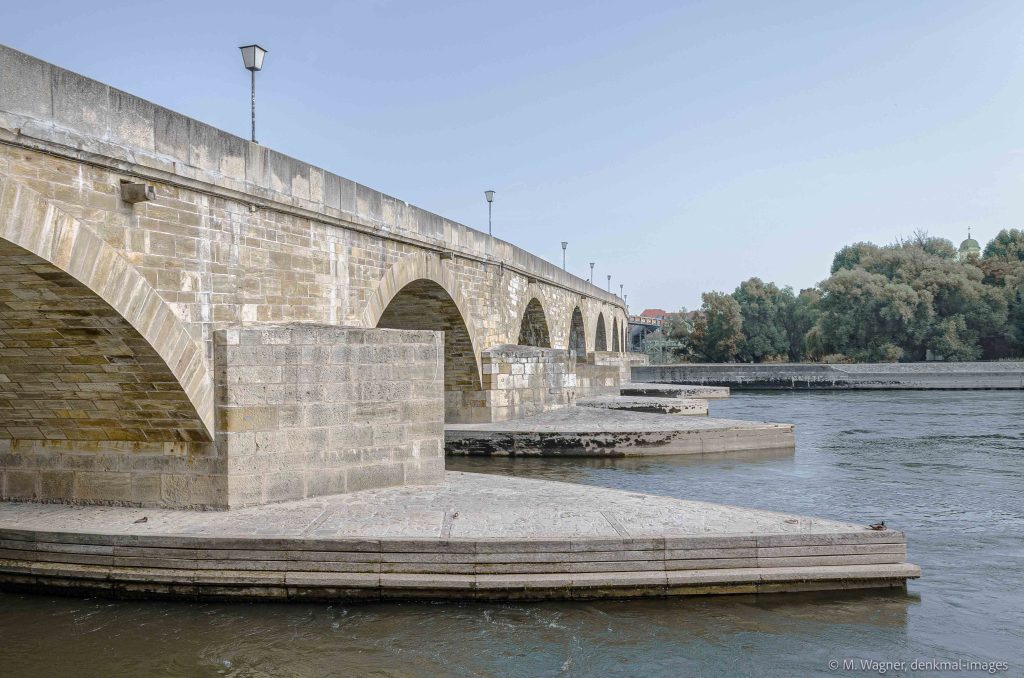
(682, 146)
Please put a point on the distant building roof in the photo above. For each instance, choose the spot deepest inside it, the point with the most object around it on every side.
(654, 313)
(969, 247)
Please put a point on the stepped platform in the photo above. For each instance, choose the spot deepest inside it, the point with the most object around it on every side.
(474, 537)
(685, 406)
(593, 432)
(651, 390)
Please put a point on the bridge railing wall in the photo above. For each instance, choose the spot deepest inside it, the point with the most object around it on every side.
(43, 103)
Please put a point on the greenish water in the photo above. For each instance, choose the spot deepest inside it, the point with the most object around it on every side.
(945, 467)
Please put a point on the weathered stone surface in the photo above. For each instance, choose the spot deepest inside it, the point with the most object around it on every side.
(657, 390)
(651, 405)
(598, 432)
(287, 431)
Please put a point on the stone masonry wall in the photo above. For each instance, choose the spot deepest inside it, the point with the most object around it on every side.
(596, 380)
(135, 473)
(619, 361)
(240, 233)
(308, 410)
(522, 380)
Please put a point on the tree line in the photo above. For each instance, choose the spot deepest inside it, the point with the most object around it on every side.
(916, 299)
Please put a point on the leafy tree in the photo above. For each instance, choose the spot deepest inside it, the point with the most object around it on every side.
(763, 308)
(952, 340)
(676, 337)
(799, 317)
(850, 255)
(891, 302)
(1008, 244)
(718, 332)
(868, 317)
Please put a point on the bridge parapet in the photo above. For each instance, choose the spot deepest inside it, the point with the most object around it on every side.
(43, 107)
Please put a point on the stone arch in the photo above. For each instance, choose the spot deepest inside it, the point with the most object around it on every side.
(615, 335)
(578, 334)
(600, 334)
(533, 328)
(424, 304)
(94, 334)
(413, 267)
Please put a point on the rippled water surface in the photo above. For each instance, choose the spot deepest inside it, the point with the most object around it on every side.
(945, 467)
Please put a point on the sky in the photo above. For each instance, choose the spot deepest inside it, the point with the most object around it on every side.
(681, 146)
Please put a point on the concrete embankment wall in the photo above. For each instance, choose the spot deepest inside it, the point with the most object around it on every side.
(1001, 375)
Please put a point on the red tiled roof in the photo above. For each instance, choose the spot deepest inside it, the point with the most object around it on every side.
(654, 313)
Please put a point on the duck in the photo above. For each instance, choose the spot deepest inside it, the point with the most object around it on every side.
(878, 526)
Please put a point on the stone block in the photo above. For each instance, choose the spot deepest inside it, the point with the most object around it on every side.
(376, 475)
(21, 484)
(100, 486)
(57, 485)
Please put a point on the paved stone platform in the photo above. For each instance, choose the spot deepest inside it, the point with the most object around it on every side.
(673, 390)
(593, 432)
(475, 536)
(686, 406)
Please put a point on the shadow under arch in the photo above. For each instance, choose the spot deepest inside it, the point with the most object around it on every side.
(533, 328)
(409, 269)
(425, 305)
(615, 335)
(578, 334)
(88, 338)
(600, 334)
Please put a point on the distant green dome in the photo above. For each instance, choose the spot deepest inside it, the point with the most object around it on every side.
(969, 247)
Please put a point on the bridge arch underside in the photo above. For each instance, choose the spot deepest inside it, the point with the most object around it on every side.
(72, 368)
(533, 330)
(600, 335)
(578, 334)
(615, 334)
(425, 305)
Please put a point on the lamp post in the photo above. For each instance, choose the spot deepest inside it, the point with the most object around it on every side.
(620, 290)
(564, 245)
(609, 282)
(591, 273)
(252, 57)
(490, 201)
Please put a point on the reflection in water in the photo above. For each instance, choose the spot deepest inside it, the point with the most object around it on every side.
(945, 467)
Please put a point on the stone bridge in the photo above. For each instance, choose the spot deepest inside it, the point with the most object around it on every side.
(216, 344)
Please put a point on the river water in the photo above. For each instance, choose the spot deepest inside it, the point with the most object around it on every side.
(945, 467)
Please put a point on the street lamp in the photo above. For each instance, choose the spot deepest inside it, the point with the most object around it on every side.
(252, 57)
(564, 245)
(620, 290)
(591, 273)
(490, 201)
(609, 282)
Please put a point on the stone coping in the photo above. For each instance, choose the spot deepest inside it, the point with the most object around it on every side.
(476, 536)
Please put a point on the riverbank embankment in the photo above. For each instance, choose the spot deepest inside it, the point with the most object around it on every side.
(967, 375)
